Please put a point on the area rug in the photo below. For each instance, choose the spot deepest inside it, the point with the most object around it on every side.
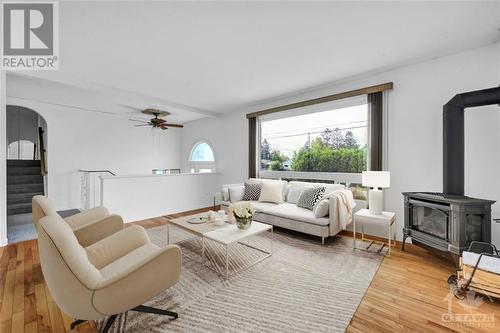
(303, 287)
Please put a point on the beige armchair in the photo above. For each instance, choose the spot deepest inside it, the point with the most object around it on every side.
(116, 274)
(89, 226)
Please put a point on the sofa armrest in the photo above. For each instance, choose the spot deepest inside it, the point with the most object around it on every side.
(93, 231)
(128, 284)
(109, 249)
(86, 216)
(332, 210)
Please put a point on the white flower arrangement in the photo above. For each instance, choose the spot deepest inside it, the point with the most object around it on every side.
(242, 210)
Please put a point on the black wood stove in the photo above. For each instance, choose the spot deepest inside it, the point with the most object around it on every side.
(449, 221)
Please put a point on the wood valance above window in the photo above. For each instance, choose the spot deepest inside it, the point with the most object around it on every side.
(352, 93)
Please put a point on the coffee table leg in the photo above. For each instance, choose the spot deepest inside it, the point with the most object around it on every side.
(202, 248)
(168, 233)
(227, 261)
(354, 233)
(272, 239)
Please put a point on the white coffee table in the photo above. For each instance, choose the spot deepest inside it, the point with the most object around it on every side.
(226, 235)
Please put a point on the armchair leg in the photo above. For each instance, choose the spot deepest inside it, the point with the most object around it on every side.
(76, 323)
(110, 322)
(149, 309)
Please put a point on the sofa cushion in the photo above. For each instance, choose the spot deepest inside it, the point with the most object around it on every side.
(291, 211)
(322, 208)
(236, 192)
(261, 206)
(293, 194)
(224, 189)
(310, 196)
(328, 187)
(272, 191)
(252, 191)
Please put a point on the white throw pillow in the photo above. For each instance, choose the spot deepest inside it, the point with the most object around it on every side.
(271, 191)
(236, 192)
(224, 190)
(293, 194)
(282, 182)
(322, 208)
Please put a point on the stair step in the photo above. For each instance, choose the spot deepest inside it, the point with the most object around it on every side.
(23, 170)
(20, 208)
(24, 179)
(25, 188)
(21, 197)
(16, 163)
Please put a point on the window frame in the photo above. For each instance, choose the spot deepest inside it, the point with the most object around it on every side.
(337, 177)
(196, 166)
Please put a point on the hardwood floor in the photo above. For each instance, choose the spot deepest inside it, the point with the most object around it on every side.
(409, 293)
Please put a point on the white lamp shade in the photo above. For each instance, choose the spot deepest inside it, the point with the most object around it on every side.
(376, 178)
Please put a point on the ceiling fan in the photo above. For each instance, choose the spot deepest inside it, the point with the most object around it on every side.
(156, 121)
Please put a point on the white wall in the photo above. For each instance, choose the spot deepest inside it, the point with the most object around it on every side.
(142, 197)
(82, 139)
(228, 136)
(3, 165)
(414, 125)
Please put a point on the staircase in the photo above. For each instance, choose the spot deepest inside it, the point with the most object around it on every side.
(24, 180)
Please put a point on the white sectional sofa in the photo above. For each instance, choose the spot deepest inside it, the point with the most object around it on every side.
(287, 214)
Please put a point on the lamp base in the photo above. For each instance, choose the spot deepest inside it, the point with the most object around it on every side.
(376, 201)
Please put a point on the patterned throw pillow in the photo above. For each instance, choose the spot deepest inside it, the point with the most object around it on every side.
(310, 196)
(252, 192)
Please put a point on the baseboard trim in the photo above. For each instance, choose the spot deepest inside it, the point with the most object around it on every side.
(194, 211)
(370, 237)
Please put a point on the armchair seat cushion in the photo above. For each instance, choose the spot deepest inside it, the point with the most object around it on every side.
(131, 261)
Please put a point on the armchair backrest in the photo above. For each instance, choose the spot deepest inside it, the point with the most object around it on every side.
(69, 274)
(41, 206)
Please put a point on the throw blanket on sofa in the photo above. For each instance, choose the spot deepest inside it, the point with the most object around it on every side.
(343, 205)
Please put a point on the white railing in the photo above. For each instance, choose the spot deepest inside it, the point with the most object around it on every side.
(337, 177)
(91, 187)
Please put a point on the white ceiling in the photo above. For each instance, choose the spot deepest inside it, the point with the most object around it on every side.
(213, 57)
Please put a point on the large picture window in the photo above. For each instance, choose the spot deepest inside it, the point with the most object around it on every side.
(333, 140)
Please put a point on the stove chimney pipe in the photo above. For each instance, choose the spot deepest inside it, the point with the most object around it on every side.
(454, 135)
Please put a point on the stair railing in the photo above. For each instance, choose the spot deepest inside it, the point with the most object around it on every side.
(43, 165)
(91, 187)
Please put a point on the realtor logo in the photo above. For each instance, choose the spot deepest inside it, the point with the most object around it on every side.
(29, 35)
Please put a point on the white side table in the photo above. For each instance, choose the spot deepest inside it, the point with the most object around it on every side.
(364, 216)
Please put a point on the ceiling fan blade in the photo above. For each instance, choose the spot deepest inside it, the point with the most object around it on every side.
(142, 125)
(174, 125)
(139, 121)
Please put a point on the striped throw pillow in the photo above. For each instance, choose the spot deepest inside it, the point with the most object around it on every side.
(310, 196)
(252, 192)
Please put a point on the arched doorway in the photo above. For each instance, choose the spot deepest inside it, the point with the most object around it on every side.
(26, 169)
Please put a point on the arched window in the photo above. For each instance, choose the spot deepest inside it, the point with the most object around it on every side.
(202, 158)
(21, 150)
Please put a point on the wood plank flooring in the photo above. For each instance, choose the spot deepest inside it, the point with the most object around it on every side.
(408, 294)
